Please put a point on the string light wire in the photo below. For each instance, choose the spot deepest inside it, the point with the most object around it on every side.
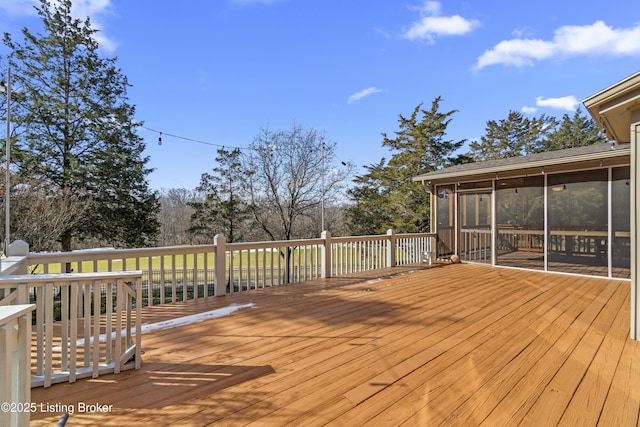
(184, 138)
(161, 134)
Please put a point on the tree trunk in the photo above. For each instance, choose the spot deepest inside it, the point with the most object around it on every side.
(66, 247)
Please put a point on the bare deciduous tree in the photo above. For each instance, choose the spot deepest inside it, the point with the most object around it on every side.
(174, 217)
(291, 175)
(39, 214)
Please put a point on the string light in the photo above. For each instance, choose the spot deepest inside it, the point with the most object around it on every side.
(160, 133)
(186, 139)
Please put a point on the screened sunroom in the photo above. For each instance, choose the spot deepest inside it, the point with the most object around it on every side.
(563, 211)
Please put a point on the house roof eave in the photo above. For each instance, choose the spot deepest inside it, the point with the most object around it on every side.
(522, 166)
(610, 108)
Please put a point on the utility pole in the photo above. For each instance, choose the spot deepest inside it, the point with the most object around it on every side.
(322, 201)
(7, 192)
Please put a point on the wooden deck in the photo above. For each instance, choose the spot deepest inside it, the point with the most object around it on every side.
(451, 344)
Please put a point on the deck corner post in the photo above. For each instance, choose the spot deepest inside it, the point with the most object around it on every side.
(635, 211)
(391, 252)
(326, 254)
(220, 264)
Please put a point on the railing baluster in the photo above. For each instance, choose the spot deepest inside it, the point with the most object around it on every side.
(40, 304)
(95, 348)
(118, 335)
(64, 325)
(205, 275)
(73, 322)
(185, 279)
(48, 330)
(108, 327)
(256, 268)
(298, 250)
(163, 297)
(196, 279)
(150, 286)
(240, 267)
(174, 279)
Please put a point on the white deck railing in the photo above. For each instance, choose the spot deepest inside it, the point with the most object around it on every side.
(15, 387)
(79, 315)
(180, 273)
(86, 324)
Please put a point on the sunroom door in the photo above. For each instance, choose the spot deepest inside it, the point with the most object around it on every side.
(475, 242)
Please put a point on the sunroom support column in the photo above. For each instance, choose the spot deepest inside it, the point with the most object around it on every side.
(635, 227)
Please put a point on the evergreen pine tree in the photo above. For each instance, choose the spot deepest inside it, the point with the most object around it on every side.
(576, 131)
(386, 197)
(78, 130)
(221, 210)
(512, 137)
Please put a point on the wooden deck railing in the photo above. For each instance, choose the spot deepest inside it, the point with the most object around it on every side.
(181, 273)
(86, 324)
(475, 244)
(15, 387)
(83, 298)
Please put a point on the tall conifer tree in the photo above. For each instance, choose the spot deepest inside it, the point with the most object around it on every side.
(386, 197)
(222, 209)
(78, 131)
(574, 131)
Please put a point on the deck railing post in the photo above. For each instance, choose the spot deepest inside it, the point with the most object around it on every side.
(326, 257)
(220, 265)
(15, 363)
(391, 252)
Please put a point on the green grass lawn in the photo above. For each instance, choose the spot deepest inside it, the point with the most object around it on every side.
(187, 261)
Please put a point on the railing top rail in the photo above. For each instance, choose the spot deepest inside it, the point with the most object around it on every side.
(69, 277)
(274, 244)
(347, 239)
(401, 235)
(379, 237)
(91, 254)
(12, 312)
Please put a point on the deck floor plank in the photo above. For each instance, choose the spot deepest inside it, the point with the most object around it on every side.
(401, 358)
(497, 363)
(599, 377)
(452, 344)
(552, 403)
(326, 371)
(534, 341)
(515, 406)
(459, 372)
(622, 406)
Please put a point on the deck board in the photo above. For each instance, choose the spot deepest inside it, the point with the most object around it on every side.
(451, 344)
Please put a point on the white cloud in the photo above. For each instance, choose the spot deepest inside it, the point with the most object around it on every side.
(430, 7)
(357, 96)
(569, 103)
(569, 40)
(80, 9)
(19, 7)
(94, 9)
(432, 24)
(529, 110)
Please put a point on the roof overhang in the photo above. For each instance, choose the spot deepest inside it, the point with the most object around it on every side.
(611, 108)
(590, 157)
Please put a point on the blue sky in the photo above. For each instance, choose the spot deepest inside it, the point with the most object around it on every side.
(217, 71)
